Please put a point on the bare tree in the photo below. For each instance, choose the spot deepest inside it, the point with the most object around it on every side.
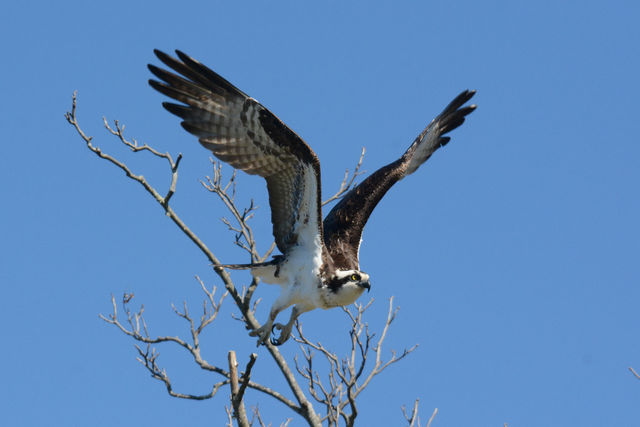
(331, 395)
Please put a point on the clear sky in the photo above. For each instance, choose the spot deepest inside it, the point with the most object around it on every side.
(513, 253)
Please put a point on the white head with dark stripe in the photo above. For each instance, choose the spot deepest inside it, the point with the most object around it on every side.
(345, 286)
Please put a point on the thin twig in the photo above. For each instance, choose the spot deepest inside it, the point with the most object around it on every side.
(148, 359)
(412, 418)
(244, 381)
(243, 234)
(229, 416)
(435, 412)
(347, 183)
(256, 415)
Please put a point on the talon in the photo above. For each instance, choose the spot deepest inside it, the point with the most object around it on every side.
(276, 341)
(285, 333)
(262, 333)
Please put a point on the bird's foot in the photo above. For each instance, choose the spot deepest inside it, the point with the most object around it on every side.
(285, 333)
(262, 333)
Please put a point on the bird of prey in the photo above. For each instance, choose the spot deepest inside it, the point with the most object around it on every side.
(319, 264)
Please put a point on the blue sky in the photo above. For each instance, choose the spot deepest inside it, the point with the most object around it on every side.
(513, 253)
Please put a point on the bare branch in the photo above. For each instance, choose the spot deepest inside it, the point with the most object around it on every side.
(258, 417)
(149, 357)
(236, 399)
(163, 201)
(347, 183)
(229, 416)
(137, 330)
(135, 147)
(278, 396)
(634, 372)
(246, 375)
(244, 234)
(379, 365)
(345, 373)
(133, 144)
(71, 118)
(412, 418)
(269, 251)
(435, 412)
(208, 315)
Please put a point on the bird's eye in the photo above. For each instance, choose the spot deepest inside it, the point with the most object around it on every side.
(355, 277)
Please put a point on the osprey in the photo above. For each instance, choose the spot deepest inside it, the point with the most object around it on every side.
(319, 263)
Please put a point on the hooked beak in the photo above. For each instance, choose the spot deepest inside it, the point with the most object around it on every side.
(365, 284)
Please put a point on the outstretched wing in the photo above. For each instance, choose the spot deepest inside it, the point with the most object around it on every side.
(344, 224)
(241, 132)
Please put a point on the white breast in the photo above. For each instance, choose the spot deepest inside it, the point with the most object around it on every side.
(346, 295)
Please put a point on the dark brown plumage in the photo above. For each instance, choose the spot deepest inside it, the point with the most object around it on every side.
(344, 224)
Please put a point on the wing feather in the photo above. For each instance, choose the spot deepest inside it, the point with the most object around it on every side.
(241, 132)
(343, 225)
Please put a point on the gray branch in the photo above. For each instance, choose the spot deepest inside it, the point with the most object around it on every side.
(239, 412)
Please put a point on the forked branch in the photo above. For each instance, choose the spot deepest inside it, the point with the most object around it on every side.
(347, 183)
(135, 326)
(237, 391)
(226, 193)
(413, 419)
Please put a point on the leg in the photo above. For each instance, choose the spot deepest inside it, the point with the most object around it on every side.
(263, 332)
(286, 329)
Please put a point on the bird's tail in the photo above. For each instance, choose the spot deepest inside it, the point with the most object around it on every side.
(274, 261)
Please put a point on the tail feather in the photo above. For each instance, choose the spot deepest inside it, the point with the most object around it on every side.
(276, 260)
(235, 266)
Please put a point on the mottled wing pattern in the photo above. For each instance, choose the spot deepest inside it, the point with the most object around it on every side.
(344, 224)
(241, 132)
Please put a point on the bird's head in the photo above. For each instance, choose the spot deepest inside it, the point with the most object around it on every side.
(348, 285)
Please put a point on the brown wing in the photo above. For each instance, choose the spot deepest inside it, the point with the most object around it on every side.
(241, 132)
(344, 224)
